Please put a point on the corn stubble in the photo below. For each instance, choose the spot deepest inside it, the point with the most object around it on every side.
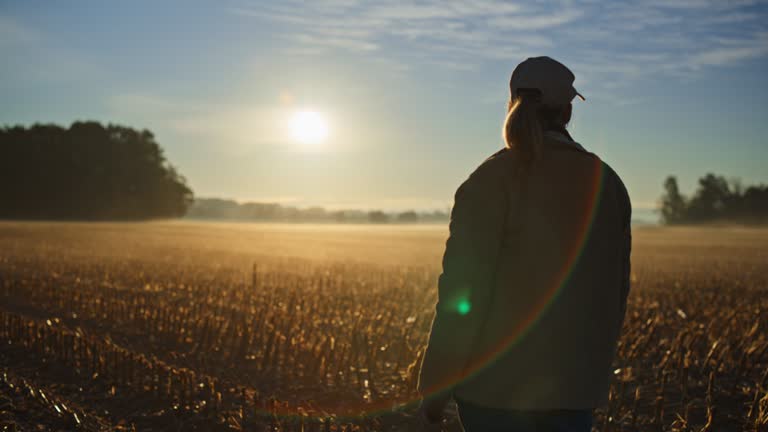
(151, 333)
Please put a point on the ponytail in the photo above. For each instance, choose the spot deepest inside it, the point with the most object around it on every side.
(522, 131)
(526, 121)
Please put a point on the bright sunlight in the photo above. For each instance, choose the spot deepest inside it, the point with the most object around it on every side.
(308, 127)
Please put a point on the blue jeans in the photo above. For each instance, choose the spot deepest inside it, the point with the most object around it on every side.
(480, 419)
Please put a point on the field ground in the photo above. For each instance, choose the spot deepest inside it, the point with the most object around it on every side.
(204, 326)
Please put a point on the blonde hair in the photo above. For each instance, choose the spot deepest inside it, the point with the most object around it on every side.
(526, 121)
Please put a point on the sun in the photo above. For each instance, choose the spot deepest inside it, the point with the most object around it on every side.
(309, 127)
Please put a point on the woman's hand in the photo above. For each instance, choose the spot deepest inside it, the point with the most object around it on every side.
(431, 412)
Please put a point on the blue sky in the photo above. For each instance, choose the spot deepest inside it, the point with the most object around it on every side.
(414, 92)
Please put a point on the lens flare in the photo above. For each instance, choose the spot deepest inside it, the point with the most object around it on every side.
(464, 307)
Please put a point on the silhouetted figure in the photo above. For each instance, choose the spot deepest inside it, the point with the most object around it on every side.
(535, 274)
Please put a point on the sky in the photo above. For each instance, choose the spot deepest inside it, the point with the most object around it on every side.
(413, 93)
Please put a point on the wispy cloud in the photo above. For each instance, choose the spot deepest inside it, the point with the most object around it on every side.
(30, 52)
(612, 42)
(701, 4)
(729, 51)
(536, 21)
(435, 29)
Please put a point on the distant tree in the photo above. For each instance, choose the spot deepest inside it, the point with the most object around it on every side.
(314, 214)
(715, 200)
(88, 172)
(216, 208)
(408, 217)
(339, 216)
(711, 199)
(258, 211)
(673, 205)
(378, 216)
(435, 216)
(755, 204)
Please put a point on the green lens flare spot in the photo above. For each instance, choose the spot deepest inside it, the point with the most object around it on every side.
(464, 307)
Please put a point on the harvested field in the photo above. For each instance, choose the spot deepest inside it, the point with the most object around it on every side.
(203, 326)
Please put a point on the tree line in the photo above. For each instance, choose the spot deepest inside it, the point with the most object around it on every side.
(715, 200)
(87, 172)
(94, 172)
(216, 208)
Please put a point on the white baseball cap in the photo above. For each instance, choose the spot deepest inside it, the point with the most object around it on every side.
(547, 75)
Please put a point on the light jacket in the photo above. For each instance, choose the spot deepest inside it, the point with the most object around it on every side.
(535, 280)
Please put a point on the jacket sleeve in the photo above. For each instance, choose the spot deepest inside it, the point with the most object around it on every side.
(626, 205)
(465, 285)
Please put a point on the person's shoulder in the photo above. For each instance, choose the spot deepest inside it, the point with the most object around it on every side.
(608, 173)
(501, 164)
(613, 176)
(491, 175)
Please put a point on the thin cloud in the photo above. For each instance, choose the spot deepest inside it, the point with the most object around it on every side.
(337, 42)
(363, 26)
(30, 52)
(732, 51)
(729, 18)
(702, 4)
(536, 22)
(612, 42)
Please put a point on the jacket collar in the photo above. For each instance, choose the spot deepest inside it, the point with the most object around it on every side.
(563, 136)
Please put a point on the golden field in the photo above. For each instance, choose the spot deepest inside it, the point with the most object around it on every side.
(213, 326)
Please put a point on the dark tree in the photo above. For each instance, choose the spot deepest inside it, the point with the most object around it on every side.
(339, 216)
(378, 216)
(715, 200)
(711, 201)
(754, 207)
(673, 205)
(87, 172)
(408, 217)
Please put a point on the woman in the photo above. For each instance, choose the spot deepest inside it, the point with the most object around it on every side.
(535, 274)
